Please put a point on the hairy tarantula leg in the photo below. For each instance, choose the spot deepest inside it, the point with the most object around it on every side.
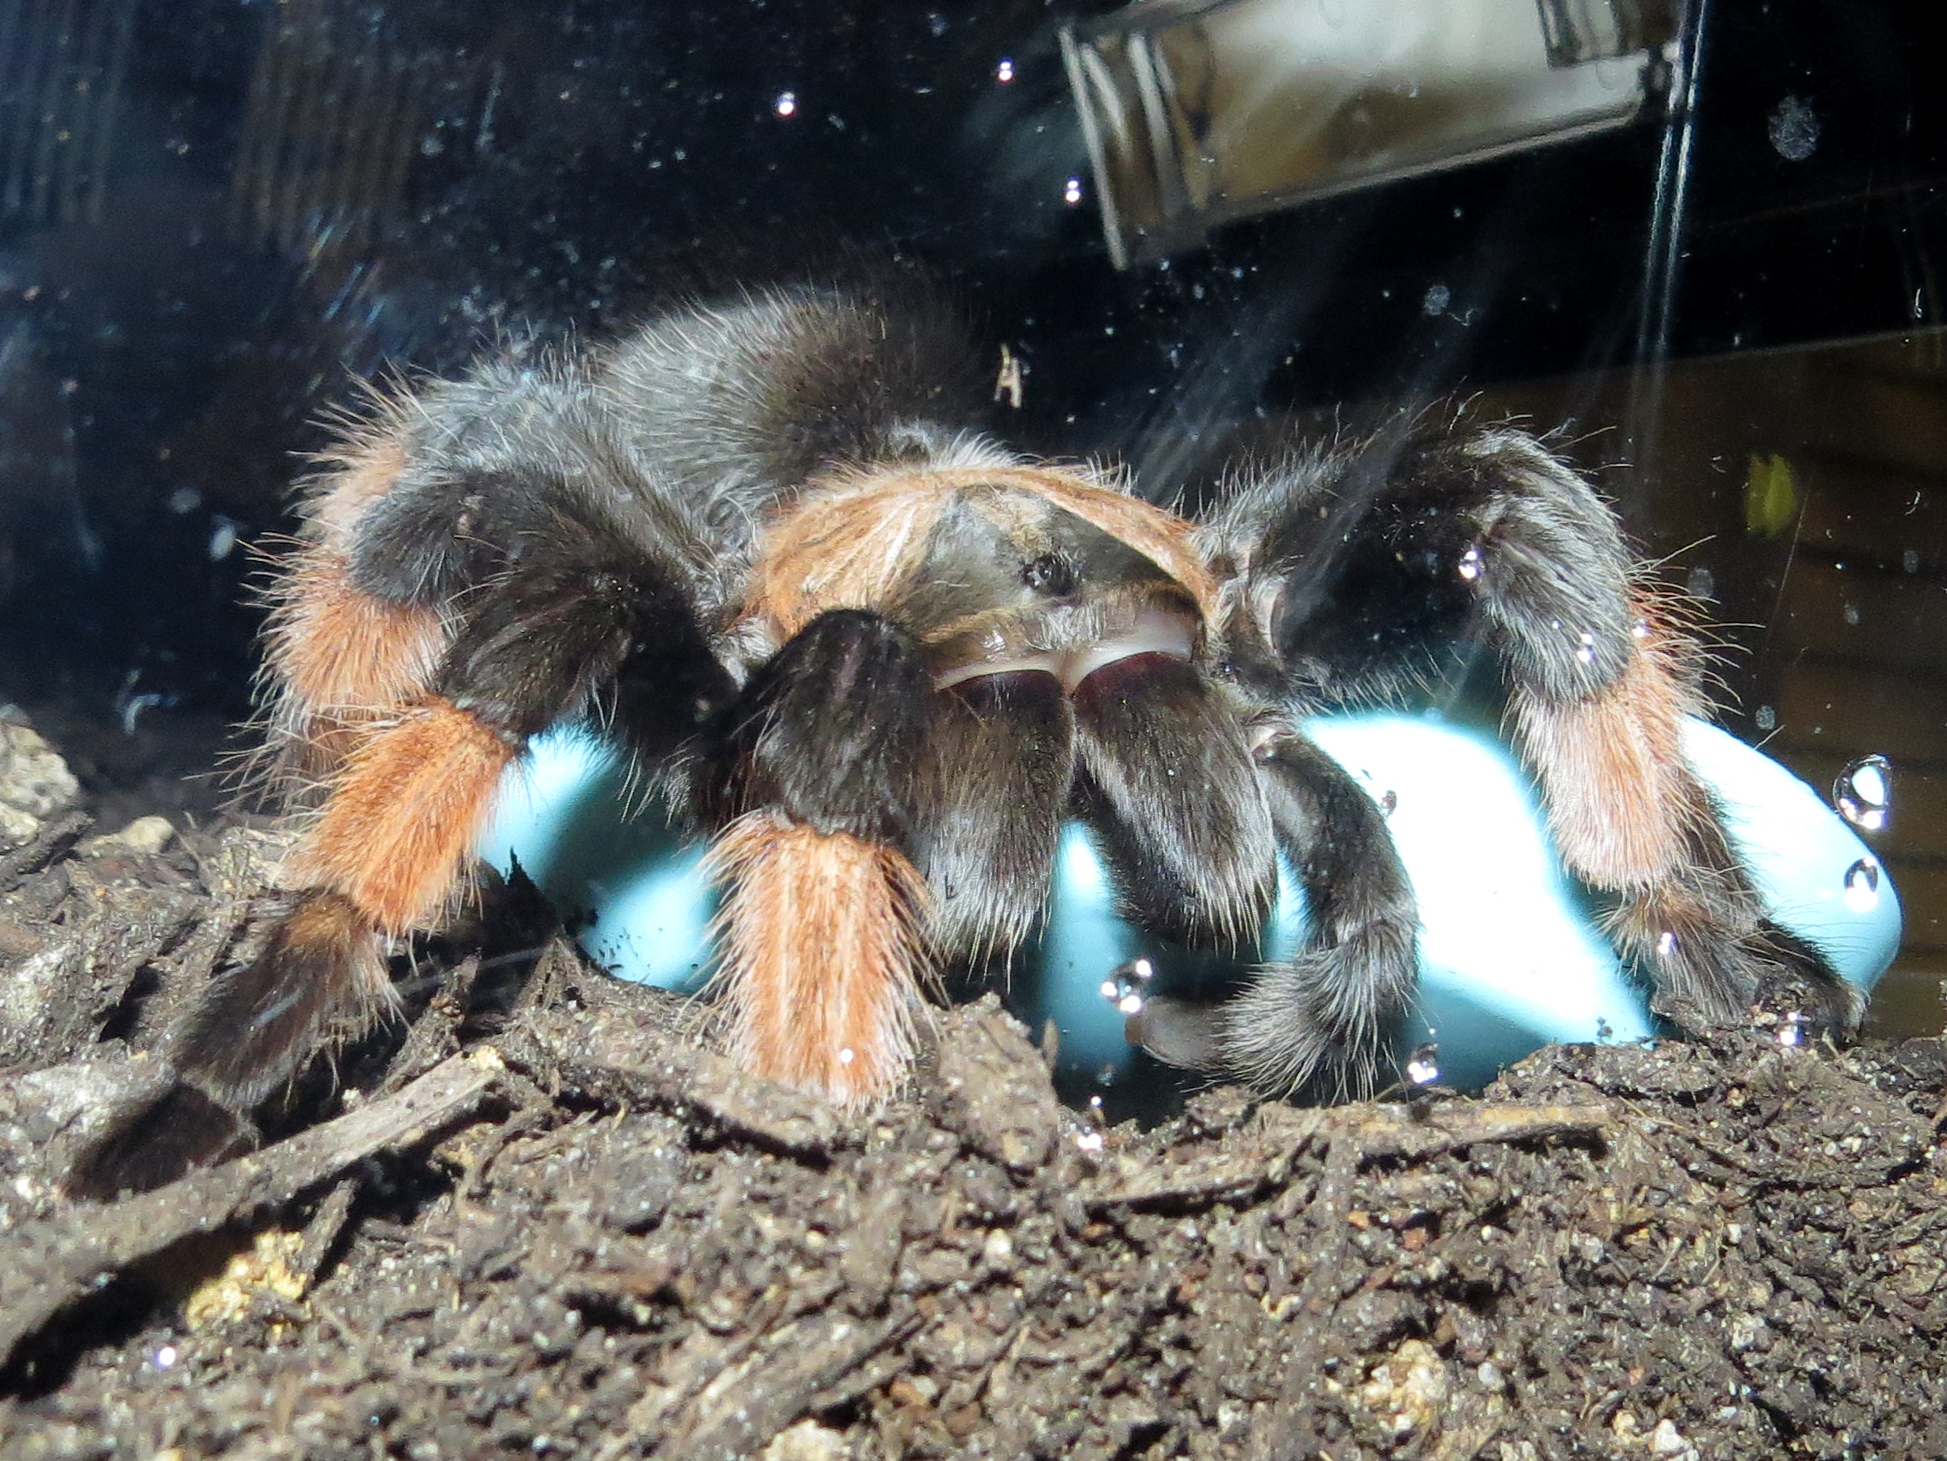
(1005, 746)
(1630, 815)
(1599, 687)
(822, 794)
(338, 659)
(1325, 1017)
(1169, 788)
(387, 850)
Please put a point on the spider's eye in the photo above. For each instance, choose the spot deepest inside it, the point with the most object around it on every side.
(1049, 574)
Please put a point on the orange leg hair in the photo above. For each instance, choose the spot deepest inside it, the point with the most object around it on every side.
(405, 814)
(1621, 799)
(822, 956)
(383, 857)
(1630, 816)
(338, 659)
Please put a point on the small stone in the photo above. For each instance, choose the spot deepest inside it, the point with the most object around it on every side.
(144, 837)
(806, 1441)
(997, 1252)
(35, 785)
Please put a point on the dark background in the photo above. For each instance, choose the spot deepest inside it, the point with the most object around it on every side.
(217, 215)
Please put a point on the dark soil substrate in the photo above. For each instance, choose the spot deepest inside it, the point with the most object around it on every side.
(539, 1217)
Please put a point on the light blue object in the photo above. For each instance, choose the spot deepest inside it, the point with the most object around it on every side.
(1509, 957)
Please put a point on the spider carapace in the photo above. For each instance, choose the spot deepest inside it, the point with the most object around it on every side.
(876, 659)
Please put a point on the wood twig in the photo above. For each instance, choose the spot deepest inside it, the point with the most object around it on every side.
(49, 1264)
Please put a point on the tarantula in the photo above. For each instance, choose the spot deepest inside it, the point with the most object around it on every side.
(877, 660)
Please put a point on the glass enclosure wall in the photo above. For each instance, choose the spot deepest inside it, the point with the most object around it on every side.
(1716, 269)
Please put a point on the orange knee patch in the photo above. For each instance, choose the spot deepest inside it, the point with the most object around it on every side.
(339, 650)
(822, 957)
(404, 816)
(361, 472)
(1620, 794)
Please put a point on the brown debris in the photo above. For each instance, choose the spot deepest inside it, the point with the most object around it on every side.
(621, 1245)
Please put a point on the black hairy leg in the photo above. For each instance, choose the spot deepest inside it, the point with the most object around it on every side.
(1168, 787)
(1322, 1020)
(1358, 576)
(588, 622)
(1005, 748)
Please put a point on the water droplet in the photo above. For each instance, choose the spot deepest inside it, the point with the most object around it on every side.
(1862, 885)
(1910, 561)
(1666, 945)
(1438, 297)
(1863, 793)
(1850, 613)
(787, 104)
(1791, 1028)
(1423, 1065)
(1585, 651)
(1089, 1142)
(223, 537)
(1005, 71)
(1470, 564)
(1701, 584)
(847, 1055)
(1388, 803)
(1766, 718)
(1072, 191)
(1127, 986)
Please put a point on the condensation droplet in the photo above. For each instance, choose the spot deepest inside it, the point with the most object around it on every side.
(1585, 651)
(1862, 885)
(1666, 945)
(847, 1055)
(1766, 718)
(1005, 71)
(223, 538)
(1072, 191)
(1470, 564)
(787, 104)
(1863, 793)
(1127, 986)
(1791, 1028)
(1423, 1065)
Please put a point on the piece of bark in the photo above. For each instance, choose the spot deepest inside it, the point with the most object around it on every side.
(51, 1263)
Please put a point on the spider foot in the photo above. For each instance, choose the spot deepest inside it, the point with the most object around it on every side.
(1769, 977)
(1320, 1024)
